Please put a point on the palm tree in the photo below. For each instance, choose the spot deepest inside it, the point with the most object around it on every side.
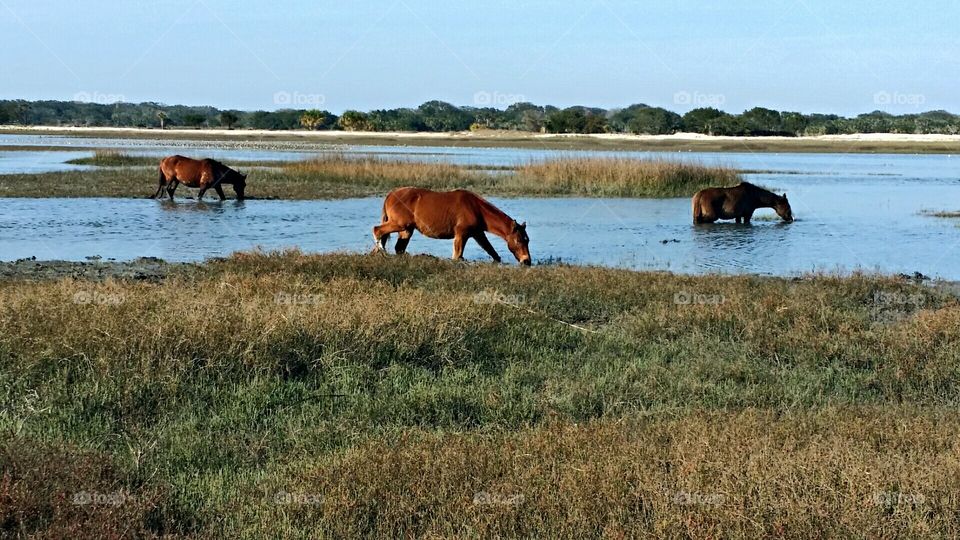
(312, 119)
(162, 116)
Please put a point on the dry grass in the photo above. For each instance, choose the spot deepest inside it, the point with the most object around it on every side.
(385, 171)
(622, 177)
(840, 473)
(379, 395)
(337, 176)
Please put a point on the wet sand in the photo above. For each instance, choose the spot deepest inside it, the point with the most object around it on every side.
(141, 269)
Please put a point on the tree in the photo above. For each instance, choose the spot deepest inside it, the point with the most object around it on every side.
(531, 120)
(569, 120)
(442, 116)
(312, 119)
(194, 120)
(702, 120)
(654, 121)
(761, 121)
(620, 118)
(794, 123)
(228, 119)
(21, 111)
(354, 121)
(162, 116)
(575, 120)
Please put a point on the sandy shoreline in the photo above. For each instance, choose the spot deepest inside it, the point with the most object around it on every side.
(887, 143)
(470, 135)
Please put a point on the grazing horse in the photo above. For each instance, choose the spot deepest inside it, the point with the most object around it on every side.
(738, 202)
(459, 214)
(198, 173)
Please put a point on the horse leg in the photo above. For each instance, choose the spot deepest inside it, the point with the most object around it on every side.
(219, 191)
(200, 195)
(163, 182)
(172, 187)
(738, 220)
(459, 240)
(486, 245)
(402, 240)
(747, 217)
(703, 213)
(381, 233)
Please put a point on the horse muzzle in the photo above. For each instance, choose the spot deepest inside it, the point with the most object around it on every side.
(526, 262)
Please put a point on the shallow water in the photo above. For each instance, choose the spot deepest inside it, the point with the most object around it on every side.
(854, 212)
(837, 228)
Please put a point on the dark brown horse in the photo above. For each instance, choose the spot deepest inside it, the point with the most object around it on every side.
(198, 173)
(460, 215)
(738, 202)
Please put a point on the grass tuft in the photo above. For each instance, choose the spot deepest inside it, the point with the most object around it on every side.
(622, 177)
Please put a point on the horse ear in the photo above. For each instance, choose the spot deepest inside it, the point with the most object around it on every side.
(784, 195)
(523, 225)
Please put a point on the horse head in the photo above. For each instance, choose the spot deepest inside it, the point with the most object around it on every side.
(239, 183)
(519, 243)
(782, 207)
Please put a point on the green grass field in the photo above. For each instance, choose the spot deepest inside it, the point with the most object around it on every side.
(331, 396)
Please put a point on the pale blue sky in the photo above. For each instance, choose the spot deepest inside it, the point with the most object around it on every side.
(809, 55)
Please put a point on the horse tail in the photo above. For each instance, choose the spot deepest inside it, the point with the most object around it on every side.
(162, 181)
(697, 209)
(383, 213)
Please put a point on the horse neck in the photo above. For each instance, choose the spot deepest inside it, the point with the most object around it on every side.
(765, 199)
(495, 221)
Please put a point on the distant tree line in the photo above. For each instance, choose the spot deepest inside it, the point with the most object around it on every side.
(439, 116)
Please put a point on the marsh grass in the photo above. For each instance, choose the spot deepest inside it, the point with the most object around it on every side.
(941, 213)
(622, 177)
(114, 158)
(379, 395)
(119, 158)
(336, 176)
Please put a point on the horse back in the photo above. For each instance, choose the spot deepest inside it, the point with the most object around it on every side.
(435, 213)
(188, 171)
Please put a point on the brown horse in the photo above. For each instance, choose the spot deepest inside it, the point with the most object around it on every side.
(198, 173)
(738, 202)
(459, 214)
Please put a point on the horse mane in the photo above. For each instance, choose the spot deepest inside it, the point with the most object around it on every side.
(219, 166)
(489, 207)
(758, 188)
